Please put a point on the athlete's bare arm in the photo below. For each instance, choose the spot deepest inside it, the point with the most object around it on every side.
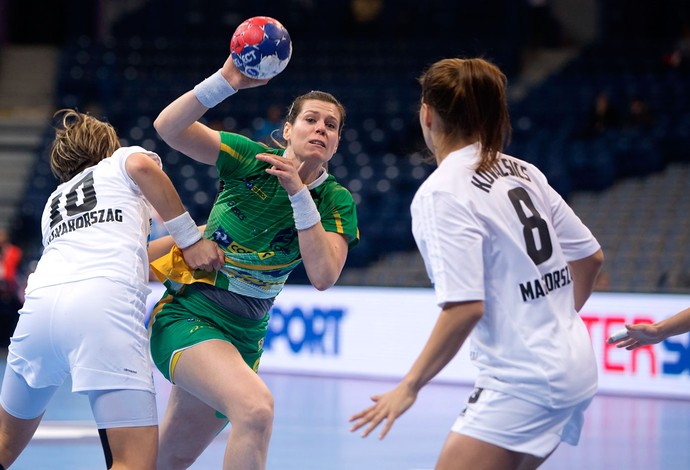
(160, 192)
(584, 272)
(178, 124)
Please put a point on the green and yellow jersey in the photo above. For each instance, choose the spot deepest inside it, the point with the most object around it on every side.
(252, 221)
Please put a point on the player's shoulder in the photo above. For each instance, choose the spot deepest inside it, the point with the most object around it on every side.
(124, 152)
(238, 152)
(240, 143)
(331, 188)
(521, 164)
(453, 176)
(231, 138)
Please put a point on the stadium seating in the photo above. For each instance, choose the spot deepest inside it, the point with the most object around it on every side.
(381, 157)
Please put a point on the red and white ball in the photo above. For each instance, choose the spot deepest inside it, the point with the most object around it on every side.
(261, 47)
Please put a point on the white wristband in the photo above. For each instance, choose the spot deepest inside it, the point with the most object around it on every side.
(213, 90)
(304, 209)
(183, 230)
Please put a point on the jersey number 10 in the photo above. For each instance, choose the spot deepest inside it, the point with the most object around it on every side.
(72, 205)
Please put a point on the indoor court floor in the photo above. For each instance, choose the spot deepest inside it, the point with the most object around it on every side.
(311, 431)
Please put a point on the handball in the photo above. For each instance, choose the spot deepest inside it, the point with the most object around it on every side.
(261, 47)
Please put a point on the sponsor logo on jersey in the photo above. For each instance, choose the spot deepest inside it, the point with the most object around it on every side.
(236, 210)
(251, 279)
(221, 237)
(249, 184)
(282, 240)
(257, 190)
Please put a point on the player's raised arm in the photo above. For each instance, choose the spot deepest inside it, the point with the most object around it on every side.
(160, 192)
(260, 48)
(178, 123)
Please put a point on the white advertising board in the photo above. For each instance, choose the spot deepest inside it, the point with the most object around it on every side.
(378, 333)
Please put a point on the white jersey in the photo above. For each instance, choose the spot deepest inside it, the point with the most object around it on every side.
(505, 238)
(96, 225)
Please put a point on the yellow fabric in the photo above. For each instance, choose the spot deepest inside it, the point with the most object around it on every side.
(173, 267)
(173, 364)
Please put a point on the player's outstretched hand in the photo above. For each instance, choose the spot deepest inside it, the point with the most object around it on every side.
(204, 254)
(635, 336)
(388, 407)
(237, 79)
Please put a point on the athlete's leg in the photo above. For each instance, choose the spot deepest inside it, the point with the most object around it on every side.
(20, 414)
(531, 462)
(188, 427)
(127, 423)
(15, 434)
(130, 448)
(216, 374)
(462, 452)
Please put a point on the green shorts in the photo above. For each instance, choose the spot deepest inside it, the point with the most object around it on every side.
(182, 320)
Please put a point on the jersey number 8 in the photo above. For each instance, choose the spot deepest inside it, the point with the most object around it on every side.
(530, 222)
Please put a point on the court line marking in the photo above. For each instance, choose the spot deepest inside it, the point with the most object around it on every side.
(56, 430)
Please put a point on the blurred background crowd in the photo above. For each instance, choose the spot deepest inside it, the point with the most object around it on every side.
(599, 100)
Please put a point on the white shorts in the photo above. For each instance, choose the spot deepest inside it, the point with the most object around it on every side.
(92, 330)
(110, 408)
(518, 425)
